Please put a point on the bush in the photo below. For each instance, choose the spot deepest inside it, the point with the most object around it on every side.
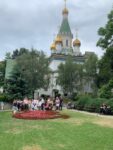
(66, 100)
(105, 90)
(74, 97)
(3, 98)
(91, 104)
(110, 103)
(82, 101)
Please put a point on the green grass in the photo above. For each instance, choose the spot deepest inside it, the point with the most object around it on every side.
(79, 132)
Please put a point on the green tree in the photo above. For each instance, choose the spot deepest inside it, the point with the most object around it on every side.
(106, 33)
(16, 87)
(105, 67)
(19, 52)
(106, 91)
(68, 76)
(106, 42)
(90, 71)
(34, 68)
(8, 55)
(2, 72)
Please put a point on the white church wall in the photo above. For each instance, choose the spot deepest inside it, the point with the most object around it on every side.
(54, 64)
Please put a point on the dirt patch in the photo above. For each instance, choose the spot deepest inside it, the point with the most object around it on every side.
(35, 147)
(72, 121)
(104, 122)
(14, 131)
(75, 121)
(39, 127)
(61, 145)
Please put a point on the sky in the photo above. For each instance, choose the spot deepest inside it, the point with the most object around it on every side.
(34, 23)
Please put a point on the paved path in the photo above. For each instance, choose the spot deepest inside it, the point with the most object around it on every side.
(94, 114)
(5, 110)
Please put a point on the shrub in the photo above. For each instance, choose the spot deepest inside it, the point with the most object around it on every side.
(91, 104)
(82, 101)
(3, 98)
(105, 90)
(66, 100)
(110, 103)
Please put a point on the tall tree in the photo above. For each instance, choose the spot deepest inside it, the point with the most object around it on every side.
(90, 70)
(105, 67)
(19, 52)
(68, 76)
(106, 33)
(106, 42)
(34, 68)
(8, 55)
(2, 72)
(16, 87)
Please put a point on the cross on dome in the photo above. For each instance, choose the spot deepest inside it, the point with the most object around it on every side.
(65, 2)
(65, 10)
(76, 33)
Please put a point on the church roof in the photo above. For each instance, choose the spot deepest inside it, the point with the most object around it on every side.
(65, 28)
(63, 57)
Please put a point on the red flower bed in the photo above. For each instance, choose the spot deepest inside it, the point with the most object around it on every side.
(38, 114)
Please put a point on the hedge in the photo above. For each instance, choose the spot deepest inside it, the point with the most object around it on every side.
(88, 103)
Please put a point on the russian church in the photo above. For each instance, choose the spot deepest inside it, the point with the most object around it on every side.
(62, 46)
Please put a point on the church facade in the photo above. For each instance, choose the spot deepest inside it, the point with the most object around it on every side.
(63, 46)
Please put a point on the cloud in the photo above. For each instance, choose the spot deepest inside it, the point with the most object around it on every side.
(30, 23)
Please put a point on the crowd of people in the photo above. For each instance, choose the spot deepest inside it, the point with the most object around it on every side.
(41, 103)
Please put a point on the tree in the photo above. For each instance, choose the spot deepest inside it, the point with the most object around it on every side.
(106, 33)
(90, 68)
(106, 42)
(2, 72)
(19, 52)
(33, 66)
(106, 91)
(68, 76)
(105, 67)
(16, 87)
(8, 55)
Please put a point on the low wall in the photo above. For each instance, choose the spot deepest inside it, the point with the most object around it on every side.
(7, 106)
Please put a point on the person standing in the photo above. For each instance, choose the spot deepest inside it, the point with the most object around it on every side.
(57, 103)
(42, 103)
(61, 103)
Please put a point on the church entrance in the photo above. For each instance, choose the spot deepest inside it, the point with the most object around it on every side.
(55, 92)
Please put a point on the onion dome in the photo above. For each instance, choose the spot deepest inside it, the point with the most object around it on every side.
(65, 11)
(76, 42)
(53, 46)
(58, 40)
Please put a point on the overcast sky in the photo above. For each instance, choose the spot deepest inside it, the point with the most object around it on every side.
(33, 23)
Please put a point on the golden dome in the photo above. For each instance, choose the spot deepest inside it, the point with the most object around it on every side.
(58, 40)
(76, 42)
(53, 46)
(65, 11)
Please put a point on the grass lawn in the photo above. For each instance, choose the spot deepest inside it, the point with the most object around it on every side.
(79, 132)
